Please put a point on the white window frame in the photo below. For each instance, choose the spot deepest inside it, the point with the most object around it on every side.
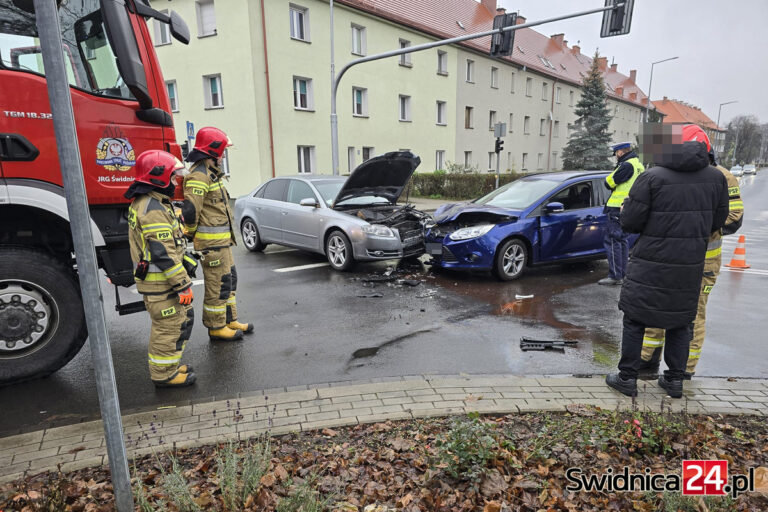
(200, 26)
(542, 127)
(371, 153)
(363, 100)
(553, 163)
(171, 84)
(491, 166)
(491, 119)
(162, 31)
(524, 165)
(225, 162)
(512, 82)
(511, 123)
(293, 22)
(405, 58)
(310, 95)
(467, 158)
(442, 63)
(469, 120)
(306, 159)
(570, 98)
(527, 125)
(557, 94)
(528, 86)
(359, 29)
(442, 112)
(544, 91)
(404, 108)
(209, 93)
(556, 129)
(351, 161)
(540, 161)
(494, 77)
(439, 159)
(469, 72)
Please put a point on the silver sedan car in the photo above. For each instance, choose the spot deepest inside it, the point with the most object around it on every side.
(348, 219)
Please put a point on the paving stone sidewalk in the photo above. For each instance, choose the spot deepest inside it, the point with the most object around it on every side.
(305, 408)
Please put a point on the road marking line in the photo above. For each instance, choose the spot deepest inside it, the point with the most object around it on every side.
(756, 272)
(302, 267)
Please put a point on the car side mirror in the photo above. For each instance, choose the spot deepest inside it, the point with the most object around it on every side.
(554, 207)
(309, 202)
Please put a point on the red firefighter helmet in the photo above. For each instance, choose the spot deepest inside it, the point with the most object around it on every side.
(156, 167)
(212, 141)
(692, 132)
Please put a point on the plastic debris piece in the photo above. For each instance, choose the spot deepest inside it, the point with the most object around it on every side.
(520, 297)
(374, 295)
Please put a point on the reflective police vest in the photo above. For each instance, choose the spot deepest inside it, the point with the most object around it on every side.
(621, 191)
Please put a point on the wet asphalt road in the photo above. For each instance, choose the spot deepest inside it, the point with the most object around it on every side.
(313, 326)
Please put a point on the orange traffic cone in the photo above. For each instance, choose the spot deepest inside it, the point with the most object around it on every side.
(739, 259)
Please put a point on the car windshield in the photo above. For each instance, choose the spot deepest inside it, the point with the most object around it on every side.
(518, 194)
(329, 189)
(750, 166)
(736, 168)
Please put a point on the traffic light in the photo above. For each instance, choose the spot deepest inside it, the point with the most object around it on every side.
(503, 43)
(616, 21)
(185, 149)
(499, 145)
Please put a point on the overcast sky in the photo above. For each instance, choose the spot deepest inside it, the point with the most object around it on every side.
(722, 48)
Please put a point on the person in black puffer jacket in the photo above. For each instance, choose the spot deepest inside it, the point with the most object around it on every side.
(674, 206)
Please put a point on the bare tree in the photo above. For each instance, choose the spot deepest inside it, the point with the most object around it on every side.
(743, 140)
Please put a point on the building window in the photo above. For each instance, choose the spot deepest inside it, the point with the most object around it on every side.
(405, 59)
(511, 118)
(525, 161)
(495, 77)
(405, 108)
(306, 155)
(544, 90)
(299, 17)
(491, 166)
(351, 158)
(467, 159)
(173, 97)
(439, 160)
(470, 74)
(528, 86)
(556, 129)
(302, 93)
(367, 152)
(527, 125)
(214, 97)
(206, 18)
(542, 127)
(491, 119)
(162, 32)
(441, 110)
(359, 102)
(469, 121)
(554, 160)
(512, 83)
(442, 62)
(557, 94)
(540, 161)
(225, 162)
(570, 99)
(358, 40)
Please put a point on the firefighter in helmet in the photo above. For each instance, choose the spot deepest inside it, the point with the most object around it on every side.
(157, 246)
(209, 223)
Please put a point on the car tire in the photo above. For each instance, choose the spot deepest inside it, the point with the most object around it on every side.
(338, 250)
(511, 260)
(37, 289)
(250, 234)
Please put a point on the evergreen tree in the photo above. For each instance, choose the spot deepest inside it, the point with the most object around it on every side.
(588, 145)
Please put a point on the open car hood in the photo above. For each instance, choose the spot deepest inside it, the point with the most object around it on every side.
(383, 176)
(452, 212)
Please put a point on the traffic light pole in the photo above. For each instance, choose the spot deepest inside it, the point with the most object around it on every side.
(498, 153)
(427, 46)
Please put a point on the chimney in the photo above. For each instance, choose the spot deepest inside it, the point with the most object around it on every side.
(490, 5)
(520, 20)
(602, 63)
(576, 49)
(613, 67)
(558, 38)
(632, 75)
(501, 10)
(620, 91)
(565, 43)
(633, 96)
(665, 98)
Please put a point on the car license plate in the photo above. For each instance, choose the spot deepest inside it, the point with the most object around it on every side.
(434, 248)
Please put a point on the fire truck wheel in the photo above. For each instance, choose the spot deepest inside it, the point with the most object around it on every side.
(42, 323)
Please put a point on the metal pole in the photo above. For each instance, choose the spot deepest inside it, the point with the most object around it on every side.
(648, 100)
(334, 118)
(718, 120)
(427, 46)
(497, 166)
(49, 31)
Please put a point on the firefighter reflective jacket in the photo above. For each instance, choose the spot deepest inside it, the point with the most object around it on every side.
(207, 215)
(156, 238)
(732, 224)
(621, 190)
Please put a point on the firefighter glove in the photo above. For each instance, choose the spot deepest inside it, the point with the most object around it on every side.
(186, 296)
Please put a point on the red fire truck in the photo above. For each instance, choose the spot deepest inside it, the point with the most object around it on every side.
(121, 109)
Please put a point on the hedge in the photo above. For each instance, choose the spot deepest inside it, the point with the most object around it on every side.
(455, 186)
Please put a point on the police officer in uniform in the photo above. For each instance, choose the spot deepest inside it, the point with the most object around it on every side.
(653, 340)
(157, 247)
(616, 242)
(209, 222)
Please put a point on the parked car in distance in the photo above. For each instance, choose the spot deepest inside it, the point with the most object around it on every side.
(538, 219)
(348, 219)
(737, 171)
(750, 169)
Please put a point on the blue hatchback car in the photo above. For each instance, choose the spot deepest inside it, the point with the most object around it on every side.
(538, 219)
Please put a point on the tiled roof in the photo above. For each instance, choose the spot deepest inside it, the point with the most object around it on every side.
(442, 19)
(679, 112)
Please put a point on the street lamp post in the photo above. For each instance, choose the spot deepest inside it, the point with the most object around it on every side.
(718, 118)
(650, 83)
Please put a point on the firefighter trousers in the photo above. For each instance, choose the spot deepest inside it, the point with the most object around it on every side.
(220, 275)
(653, 340)
(172, 324)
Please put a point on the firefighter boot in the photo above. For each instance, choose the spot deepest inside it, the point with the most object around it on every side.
(186, 368)
(235, 325)
(225, 334)
(179, 380)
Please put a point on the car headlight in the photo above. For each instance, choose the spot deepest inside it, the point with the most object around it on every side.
(377, 230)
(471, 232)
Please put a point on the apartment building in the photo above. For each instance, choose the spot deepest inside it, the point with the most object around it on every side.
(680, 112)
